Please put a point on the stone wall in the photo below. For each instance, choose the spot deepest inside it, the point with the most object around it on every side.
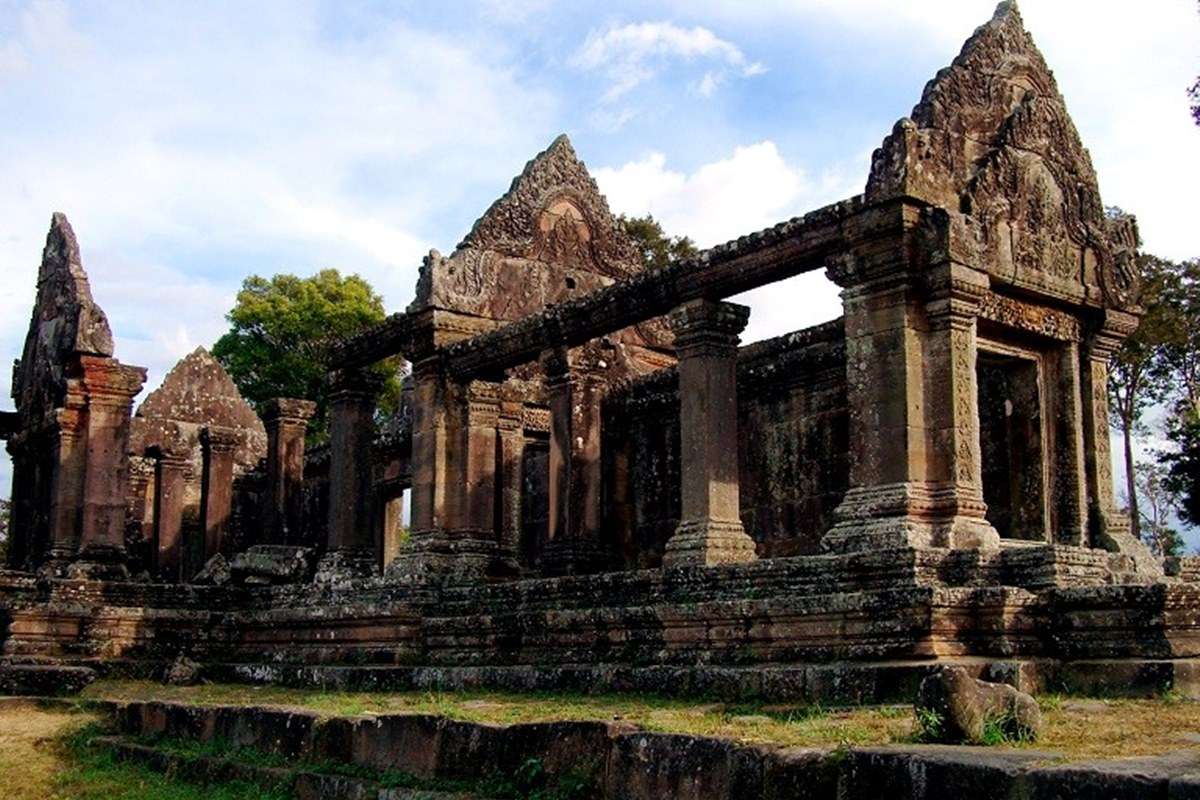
(793, 448)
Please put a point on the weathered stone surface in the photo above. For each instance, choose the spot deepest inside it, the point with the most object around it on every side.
(216, 572)
(965, 706)
(272, 564)
(196, 394)
(182, 672)
(43, 680)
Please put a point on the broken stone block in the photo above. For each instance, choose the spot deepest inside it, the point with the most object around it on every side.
(182, 672)
(954, 707)
(43, 680)
(216, 572)
(268, 564)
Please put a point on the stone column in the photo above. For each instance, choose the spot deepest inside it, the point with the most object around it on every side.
(1109, 529)
(216, 489)
(910, 302)
(67, 471)
(111, 387)
(1069, 495)
(139, 513)
(710, 527)
(170, 486)
(453, 475)
(574, 545)
(351, 548)
(954, 473)
(286, 420)
(20, 527)
(511, 431)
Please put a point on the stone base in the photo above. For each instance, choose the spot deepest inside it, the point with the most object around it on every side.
(446, 554)
(267, 564)
(909, 515)
(575, 557)
(707, 543)
(98, 563)
(342, 566)
(1115, 534)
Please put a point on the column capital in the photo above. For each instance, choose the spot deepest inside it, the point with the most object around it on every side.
(220, 439)
(355, 384)
(705, 321)
(109, 382)
(956, 292)
(288, 411)
(1112, 329)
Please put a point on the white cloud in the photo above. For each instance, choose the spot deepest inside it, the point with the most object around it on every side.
(753, 188)
(633, 54)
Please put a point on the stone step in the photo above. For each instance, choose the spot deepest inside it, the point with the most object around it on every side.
(302, 784)
(42, 680)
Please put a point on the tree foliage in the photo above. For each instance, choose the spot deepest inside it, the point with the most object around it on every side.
(1158, 509)
(1138, 376)
(280, 332)
(658, 250)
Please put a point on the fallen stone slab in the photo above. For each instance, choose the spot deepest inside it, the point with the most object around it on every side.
(272, 564)
(44, 680)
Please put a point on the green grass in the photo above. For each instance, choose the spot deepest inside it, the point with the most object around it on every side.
(91, 772)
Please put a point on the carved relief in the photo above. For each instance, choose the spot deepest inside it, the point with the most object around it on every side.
(991, 138)
(1037, 319)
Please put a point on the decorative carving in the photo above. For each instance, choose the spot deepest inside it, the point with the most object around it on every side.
(991, 138)
(66, 321)
(1042, 320)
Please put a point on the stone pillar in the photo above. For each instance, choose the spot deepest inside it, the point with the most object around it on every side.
(710, 527)
(1109, 529)
(351, 548)
(216, 488)
(454, 454)
(915, 475)
(574, 545)
(111, 387)
(511, 432)
(286, 420)
(67, 471)
(954, 473)
(139, 511)
(390, 518)
(1069, 496)
(20, 523)
(170, 485)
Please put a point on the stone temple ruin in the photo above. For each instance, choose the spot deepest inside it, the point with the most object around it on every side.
(607, 491)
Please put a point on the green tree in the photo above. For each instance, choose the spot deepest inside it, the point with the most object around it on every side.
(1182, 466)
(1181, 363)
(1138, 376)
(657, 248)
(1157, 511)
(280, 332)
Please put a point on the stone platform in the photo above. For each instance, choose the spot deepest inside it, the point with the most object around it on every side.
(862, 627)
(612, 759)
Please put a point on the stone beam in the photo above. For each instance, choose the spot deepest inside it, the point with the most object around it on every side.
(787, 249)
(388, 338)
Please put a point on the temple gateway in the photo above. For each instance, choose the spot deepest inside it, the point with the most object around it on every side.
(609, 491)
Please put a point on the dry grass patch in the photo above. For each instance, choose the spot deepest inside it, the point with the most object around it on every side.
(31, 757)
(1080, 729)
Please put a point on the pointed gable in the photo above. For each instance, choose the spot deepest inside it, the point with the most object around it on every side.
(991, 138)
(197, 393)
(549, 237)
(66, 321)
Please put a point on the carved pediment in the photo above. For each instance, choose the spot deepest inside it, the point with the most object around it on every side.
(550, 237)
(991, 138)
(66, 322)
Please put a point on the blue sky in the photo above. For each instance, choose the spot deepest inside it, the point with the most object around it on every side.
(192, 144)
